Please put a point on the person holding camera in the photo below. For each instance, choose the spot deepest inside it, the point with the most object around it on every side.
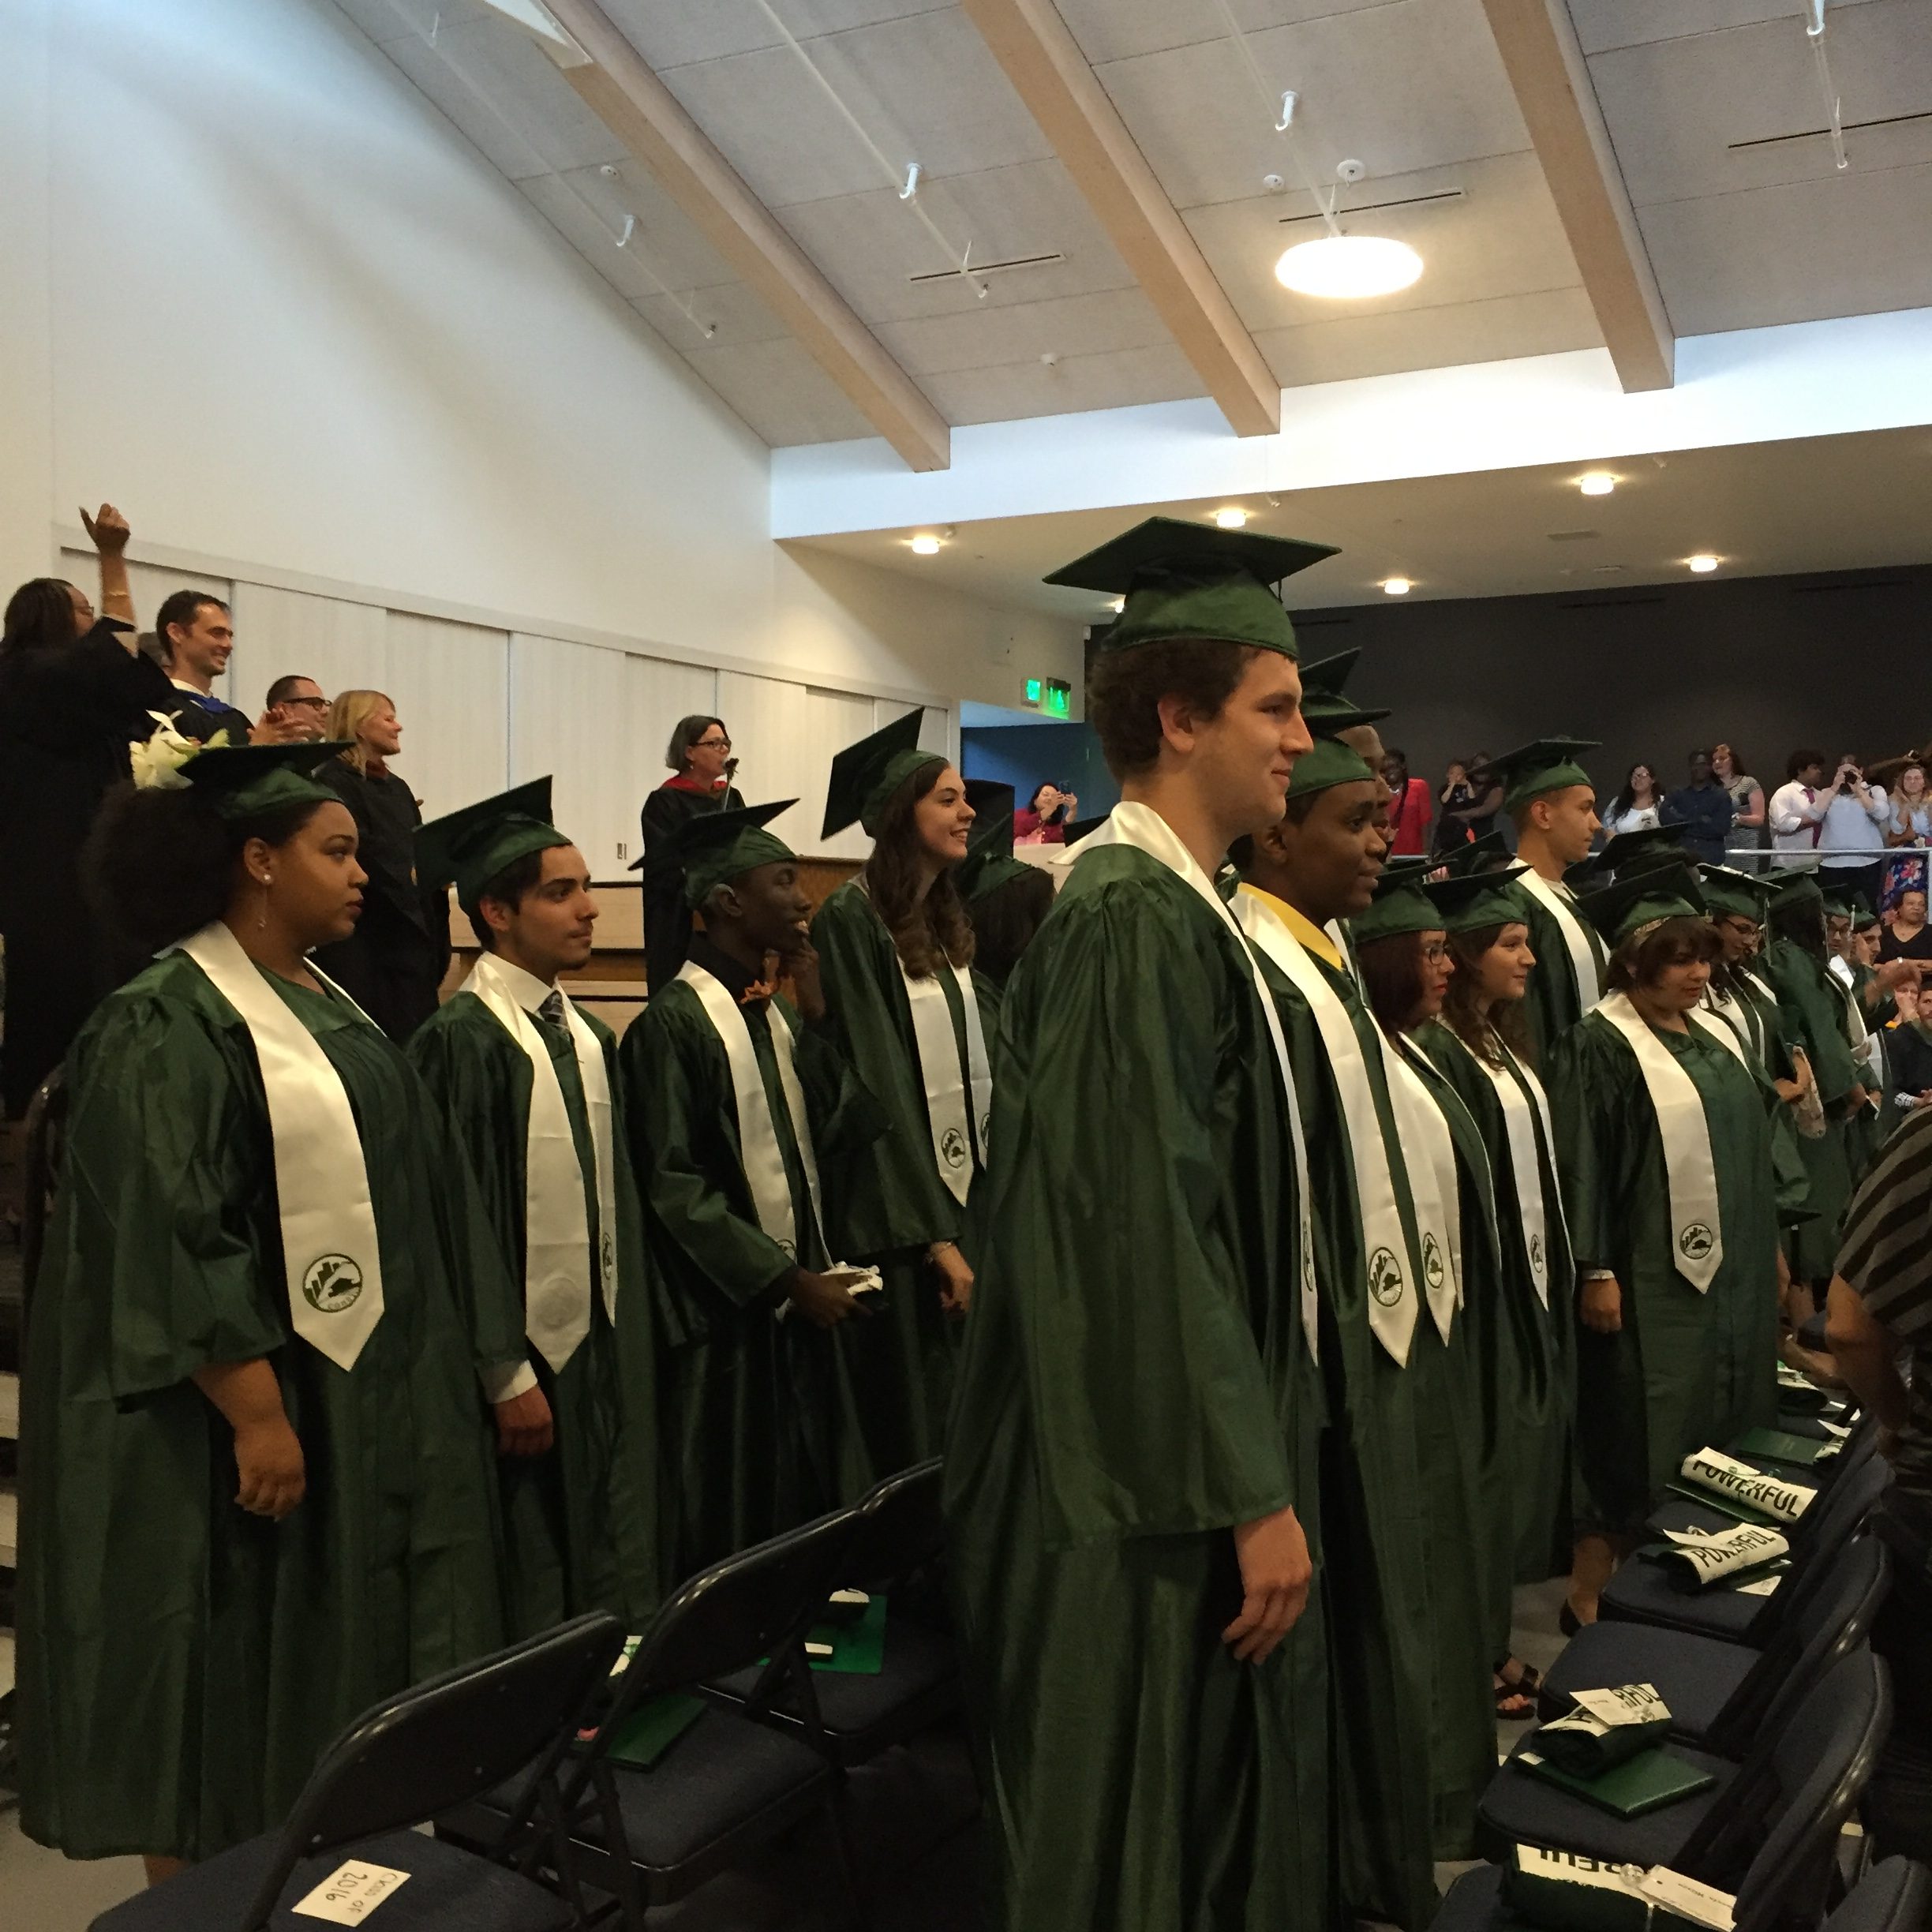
(1044, 820)
(1851, 832)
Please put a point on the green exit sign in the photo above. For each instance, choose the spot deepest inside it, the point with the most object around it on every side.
(1055, 696)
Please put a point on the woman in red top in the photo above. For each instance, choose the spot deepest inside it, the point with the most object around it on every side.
(1045, 819)
(1409, 806)
(702, 766)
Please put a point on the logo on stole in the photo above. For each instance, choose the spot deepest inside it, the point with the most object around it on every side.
(953, 1146)
(332, 1283)
(1385, 1278)
(1536, 1252)
(1696, 1241)
(1431, 1261)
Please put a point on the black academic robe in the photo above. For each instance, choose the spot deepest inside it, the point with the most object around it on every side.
(68, 713)
(393, 964)
(199, 716)
(667, 918)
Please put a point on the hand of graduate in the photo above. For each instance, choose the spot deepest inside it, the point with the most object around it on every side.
(269, 1459)
(955, 1278)
(1600, 1305)
(107, 529)
(1276, 1574)
(822, 1301)
(800, 964)
(523, 1424)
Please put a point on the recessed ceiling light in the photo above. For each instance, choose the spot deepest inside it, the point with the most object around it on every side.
(1233, 518)
(1117, 605)
(1597, 483)
(1703, 563)
(925, 545)
(1346, 267)
(1397, 586)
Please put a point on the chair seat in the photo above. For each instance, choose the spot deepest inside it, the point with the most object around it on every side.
(1519, 1808)
(1475, 1904)
(447, 1887)
(1696, 1676)
(920, 1666)
(1641, 1592)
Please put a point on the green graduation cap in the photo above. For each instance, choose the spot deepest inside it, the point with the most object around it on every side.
(1649, 845)
(470, 847)
(242, 782)
(1400, 904)
(715, 848)
(866, 774)
(1544, 765)
(989, 862)
(1863, 918)
(1330, 764)
(1793, 885)
(1739, 894)
(1191, 580)
(1628, 908)
(1324, 701)
(1479, 855)
(1473, 900)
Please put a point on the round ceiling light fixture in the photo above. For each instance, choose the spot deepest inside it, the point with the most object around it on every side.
(1597, 483)
(925, 545)
(1348, 267)
(1233, 518)
(1703, 563)
(1397, 586)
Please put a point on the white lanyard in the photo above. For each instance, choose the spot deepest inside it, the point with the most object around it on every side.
(1392, 1305)
(1428, 1149)
(758, 1150)
(1696, 1231)
(1142, 828)
(557, 1270)
(1561, 906)
(958, 1140)
(330, 1248)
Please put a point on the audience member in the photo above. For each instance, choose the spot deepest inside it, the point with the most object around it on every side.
(1796, 813)
(1748, 810)
(1455, 798)
(1907, 936)
(1043, 820)
(1638, 806)
(392, 964)
(1911, 821)
(1703, 809)
(699, 755)
(1409, 813)
(74, 693)
(1852, 833)
(296, 703)
(195, 637)
(1477, 816)
(1908, 1051)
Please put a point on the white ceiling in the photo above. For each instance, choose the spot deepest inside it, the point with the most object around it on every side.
(1414, 88)
(1817, 503)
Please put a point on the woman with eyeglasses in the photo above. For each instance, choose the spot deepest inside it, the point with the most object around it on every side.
(701, 767)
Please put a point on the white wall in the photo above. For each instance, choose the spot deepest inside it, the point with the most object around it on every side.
(260, 293)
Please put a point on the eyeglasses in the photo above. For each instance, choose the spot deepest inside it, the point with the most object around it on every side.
(711, 744)
(1435, 953)
(314, 704)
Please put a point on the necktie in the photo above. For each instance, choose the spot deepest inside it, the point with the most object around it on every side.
(1817, 824)
(553, 1009)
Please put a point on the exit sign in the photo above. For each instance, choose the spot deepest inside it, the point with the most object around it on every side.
(1055, 696)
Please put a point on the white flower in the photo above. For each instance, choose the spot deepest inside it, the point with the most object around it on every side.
(157, 764)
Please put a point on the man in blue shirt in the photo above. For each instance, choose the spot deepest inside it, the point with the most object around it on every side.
(1702, 808)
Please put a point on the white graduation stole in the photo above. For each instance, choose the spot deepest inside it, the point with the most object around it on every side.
(1697, 1229)
(1429, 1151)
(557, 1284)
(760, 1152)
(1142, 828)
(1739, 1017)
(1726, 1036)
(1392, 1305)
(959, 1139)
(1855, 1026)
(1527, 1127)
(1556, 901)
(329, 1243)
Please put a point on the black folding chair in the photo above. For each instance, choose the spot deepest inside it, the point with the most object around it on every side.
(1719, 1693)
(1643, 1592)
(1803, 1775)
(853, 1716)
(412, 1757)
(650, 1834)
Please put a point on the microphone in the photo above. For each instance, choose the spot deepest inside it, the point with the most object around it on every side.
(731, 769)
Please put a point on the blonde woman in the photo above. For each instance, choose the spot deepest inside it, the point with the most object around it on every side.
(393, 963)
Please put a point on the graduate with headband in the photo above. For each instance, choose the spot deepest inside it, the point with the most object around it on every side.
(904, 1007)
(256, 1469)
(1133, 1452)
(1675, 1192)
(525, 1076)
(739, 1116)
(1407, 1562)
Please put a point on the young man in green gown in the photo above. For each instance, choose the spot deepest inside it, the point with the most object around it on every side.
(732, 1106)
(526, 1079)
(1132, 1458)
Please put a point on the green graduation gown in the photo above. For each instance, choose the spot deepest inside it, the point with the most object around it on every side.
(1135, 1383)
(1527, 1357)
(757, 1417)
(182, 1664)
(1551, 1004)
(580, 1522)
(1686, 1369)
(887, 1205)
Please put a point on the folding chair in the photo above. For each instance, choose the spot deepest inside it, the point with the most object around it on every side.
(853, 1716)
(650, 1835)
(1809, 1768)
(1642, 1592)
(424, 1752)
(1719, 1693)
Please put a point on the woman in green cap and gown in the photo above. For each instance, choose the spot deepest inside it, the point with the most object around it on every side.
(1675, 1192)
(525, 1078)
(904, 1008)
(1405, 1566)
(257, 1484)
(736, 1113)
(1132, 1454)
(1476, 1043)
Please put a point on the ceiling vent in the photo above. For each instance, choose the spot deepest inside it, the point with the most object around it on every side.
(1573, 535)
(1371, 207)
(990, 268)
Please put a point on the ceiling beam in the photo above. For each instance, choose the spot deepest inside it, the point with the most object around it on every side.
(1547, 68)
(614, 81)
(1043, 62)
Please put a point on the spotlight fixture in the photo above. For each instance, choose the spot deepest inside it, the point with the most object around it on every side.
(1234, 518)
(925, 545)
(1348, 267)
(1703, 563)
(1397, 586)
(1597, 483)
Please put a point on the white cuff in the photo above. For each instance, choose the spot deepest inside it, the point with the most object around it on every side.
(504, 1384)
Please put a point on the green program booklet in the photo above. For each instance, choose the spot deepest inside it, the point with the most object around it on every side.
(1778, 1446)
(1648, 1782)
